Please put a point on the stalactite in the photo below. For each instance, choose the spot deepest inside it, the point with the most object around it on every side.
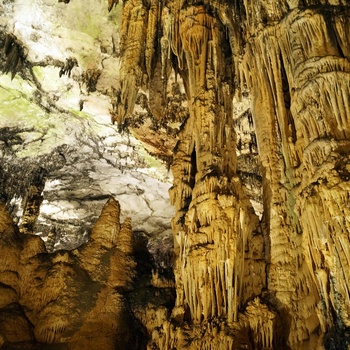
(15, 55)
(50, 333)
(152, 36)
(111, 4)
(133, 45)
(67, 67)
(90, 78)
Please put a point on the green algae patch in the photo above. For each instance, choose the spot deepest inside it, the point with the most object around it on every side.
(16, 86)
(38, 72)
(79, 114)
(39, 131)
(18, 109)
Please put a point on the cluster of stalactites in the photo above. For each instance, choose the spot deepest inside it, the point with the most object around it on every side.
(138, 45)
(257, 327)
(154, 39)
(220, 260)
(15, 55)
(298, 72)
(219, 246)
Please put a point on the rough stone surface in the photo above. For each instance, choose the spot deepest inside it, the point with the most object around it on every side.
(248, 102)
(284, 66)
(61, 157)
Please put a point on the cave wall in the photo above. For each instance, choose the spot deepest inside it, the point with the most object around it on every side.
(289, 60)
(260, 189)
(60, 155)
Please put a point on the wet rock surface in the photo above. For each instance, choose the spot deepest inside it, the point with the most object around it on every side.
(64, 185)
(246, 102)
(61, 157)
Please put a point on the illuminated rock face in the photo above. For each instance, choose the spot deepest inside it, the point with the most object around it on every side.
(266, 90)
(60, 155)
(289, 60)
(71, 298)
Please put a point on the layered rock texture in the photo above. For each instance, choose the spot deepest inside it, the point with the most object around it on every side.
(248, 102)
(61, 157)
(76, 298)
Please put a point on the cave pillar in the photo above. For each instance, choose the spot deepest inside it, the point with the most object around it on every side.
(320, 108)
(300, 84)
(214, 221)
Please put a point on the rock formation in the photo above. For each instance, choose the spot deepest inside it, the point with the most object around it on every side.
(248, 101)
(290, 61)
(72, 298)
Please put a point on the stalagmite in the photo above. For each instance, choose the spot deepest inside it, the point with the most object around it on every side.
(66, 294)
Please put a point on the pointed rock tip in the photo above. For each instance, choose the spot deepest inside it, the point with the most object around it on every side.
(112, 202)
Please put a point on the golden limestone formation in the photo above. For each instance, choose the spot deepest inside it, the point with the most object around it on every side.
(74, 300)
(282, 282)
(132, 34)
(279, 282)
(302, 63)
(219, 244)
(216, 253)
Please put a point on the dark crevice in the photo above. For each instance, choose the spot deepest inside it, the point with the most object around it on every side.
(15, 54)
(287, 102)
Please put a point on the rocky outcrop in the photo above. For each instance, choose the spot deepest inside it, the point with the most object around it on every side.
(72, 299)
(248, 103)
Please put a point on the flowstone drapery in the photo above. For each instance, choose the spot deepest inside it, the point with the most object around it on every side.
(287, 64)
